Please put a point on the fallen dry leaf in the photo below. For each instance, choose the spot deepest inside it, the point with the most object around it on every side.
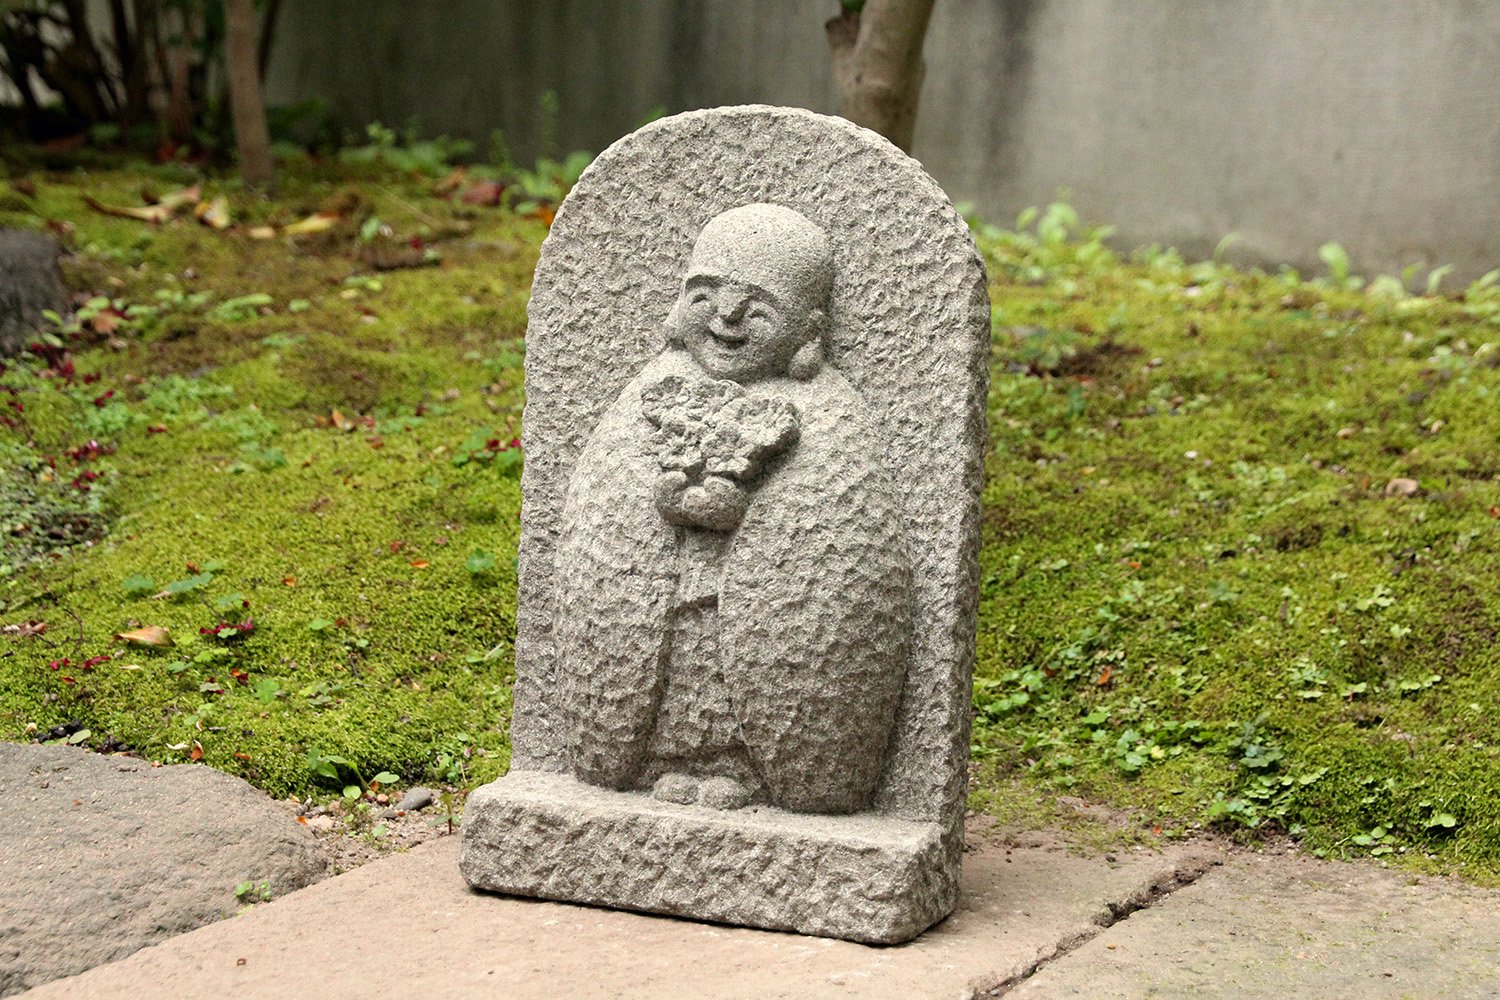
(105, 322)
(173, 200)
(262, 232)
(340, 421)
(197, 753)
(450, 183)
(1402, 487)
(318, 222)
(152, 213)
(420, 564)
(163, 209)
(487, 193)
(214, 214)
(385, 255)
(146, 635)
(26, 629)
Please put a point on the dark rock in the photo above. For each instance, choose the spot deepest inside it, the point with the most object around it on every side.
(415, 799)
(29, 283)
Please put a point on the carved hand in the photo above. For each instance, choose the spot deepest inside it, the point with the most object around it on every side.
(717, 503)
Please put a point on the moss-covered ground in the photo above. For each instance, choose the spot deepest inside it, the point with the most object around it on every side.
(1240, 544)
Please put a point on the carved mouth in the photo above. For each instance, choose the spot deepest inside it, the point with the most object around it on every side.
(727, 340)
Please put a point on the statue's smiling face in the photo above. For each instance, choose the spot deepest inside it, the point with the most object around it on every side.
(736, 330)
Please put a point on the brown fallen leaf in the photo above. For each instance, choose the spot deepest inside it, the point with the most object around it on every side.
(342, 422)
(214, 214)
(26, 629)
(146, 635)
(420, 564)
(487, 193)
(106, 321)
(386, 255)
(197, 753)
(451, 183)
(150, 213)
(182, 197)
(318, 222)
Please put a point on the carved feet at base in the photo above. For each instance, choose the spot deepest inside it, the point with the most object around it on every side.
(715, 793)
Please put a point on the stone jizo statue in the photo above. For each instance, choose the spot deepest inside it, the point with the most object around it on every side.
(733, 497)
(756, 369)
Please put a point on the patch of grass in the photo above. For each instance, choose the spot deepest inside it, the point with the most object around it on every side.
(1239, 535)
(1203, 596)
(264, 468)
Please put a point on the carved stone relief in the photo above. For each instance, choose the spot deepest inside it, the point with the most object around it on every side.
(756, 367)
(768, 549)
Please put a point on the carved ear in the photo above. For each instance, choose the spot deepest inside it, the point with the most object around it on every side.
(673, 328)
(808, 360)
(817, 322)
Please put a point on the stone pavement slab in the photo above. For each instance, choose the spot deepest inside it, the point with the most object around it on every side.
(103, 855)
(1279, 926)
(407, 925)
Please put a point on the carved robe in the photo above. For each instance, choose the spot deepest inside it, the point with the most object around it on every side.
(773, 652)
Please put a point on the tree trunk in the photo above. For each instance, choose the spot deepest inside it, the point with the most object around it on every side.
(247, 105)
(267, 34)
(877, 64)
(176, 72)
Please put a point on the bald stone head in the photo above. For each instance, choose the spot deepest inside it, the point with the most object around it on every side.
(754, 303)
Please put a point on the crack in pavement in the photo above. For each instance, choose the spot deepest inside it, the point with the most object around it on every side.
(1185, 873)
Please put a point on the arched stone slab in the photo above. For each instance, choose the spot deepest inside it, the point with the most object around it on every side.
(893, 420)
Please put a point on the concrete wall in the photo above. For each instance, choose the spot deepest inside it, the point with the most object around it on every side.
(1287, 122)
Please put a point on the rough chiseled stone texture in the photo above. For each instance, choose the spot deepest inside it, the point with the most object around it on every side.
(29, 284)
(865, 877)
(835, 623)
(805, 624)
(101, 856)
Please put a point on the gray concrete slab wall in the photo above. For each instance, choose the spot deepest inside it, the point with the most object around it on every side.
(1286, 122)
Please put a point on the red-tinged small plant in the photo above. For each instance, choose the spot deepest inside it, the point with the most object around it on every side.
(227, 631)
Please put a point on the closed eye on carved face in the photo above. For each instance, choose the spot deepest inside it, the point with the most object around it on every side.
(736, 330)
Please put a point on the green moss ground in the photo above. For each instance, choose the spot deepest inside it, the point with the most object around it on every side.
(1198, 604)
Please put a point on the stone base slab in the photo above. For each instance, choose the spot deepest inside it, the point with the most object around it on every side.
(866, 877)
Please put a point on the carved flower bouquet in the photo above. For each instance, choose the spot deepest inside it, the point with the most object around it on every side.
(712, 440)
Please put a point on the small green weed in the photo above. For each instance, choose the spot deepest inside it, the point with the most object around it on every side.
(249, 892)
